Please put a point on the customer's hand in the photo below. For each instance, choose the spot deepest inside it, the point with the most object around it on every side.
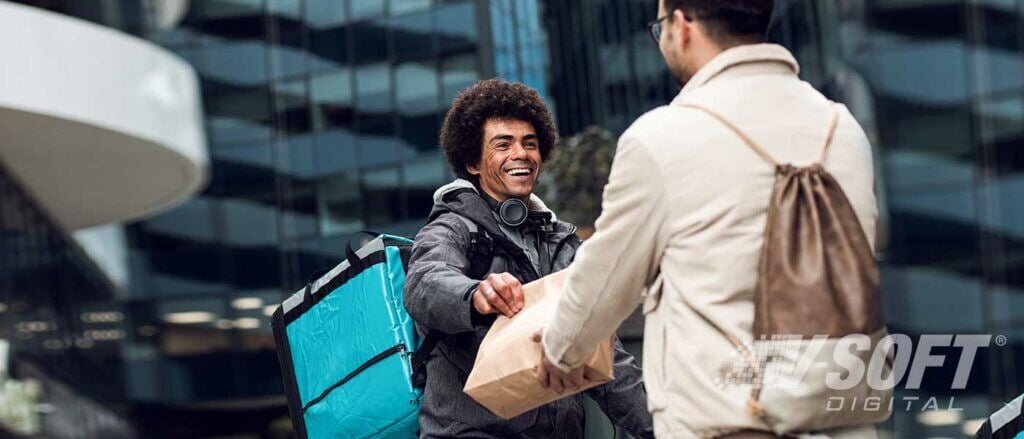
(499, 292)
(551, 377)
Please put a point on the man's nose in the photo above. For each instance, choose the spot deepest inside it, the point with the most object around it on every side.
(519, 150)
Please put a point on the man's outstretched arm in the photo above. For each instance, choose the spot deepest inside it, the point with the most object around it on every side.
(613, 266)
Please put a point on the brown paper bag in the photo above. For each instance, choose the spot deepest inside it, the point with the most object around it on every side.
(504, 375)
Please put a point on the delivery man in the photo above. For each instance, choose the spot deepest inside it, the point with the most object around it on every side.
(487, 235)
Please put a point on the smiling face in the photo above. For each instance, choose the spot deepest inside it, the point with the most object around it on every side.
(509, 159)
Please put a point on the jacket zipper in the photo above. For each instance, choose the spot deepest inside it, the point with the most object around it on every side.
(376, 359)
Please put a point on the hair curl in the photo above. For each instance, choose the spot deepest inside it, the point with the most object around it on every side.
(463, 130)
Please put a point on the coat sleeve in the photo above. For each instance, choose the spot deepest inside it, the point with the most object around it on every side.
(437, 289)
(624, 399)
(611, 269)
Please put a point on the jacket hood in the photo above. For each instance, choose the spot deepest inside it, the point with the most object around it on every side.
(461, 197)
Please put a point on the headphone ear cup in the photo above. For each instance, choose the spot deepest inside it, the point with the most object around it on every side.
(513, 212)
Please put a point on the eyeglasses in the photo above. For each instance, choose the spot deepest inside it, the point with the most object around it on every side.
(654, 27)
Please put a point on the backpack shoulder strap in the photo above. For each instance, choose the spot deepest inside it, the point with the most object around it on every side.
(833, 121)
(480, 251)
(742, 135)
(422, 355)
(473, 228)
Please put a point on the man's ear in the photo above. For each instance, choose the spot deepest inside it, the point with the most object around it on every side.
(473, 169)
(685, 26)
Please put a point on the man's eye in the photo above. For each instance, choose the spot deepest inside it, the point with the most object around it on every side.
(531, 145)
(502, 146)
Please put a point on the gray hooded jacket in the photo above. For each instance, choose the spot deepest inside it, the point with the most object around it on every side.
(437, 296)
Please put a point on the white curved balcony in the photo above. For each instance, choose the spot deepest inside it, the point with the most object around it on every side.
(98, 125)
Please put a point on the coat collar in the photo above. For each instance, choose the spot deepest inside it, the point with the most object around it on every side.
(745, 54)
(461, 184)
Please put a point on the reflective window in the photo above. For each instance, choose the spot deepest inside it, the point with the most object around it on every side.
(335, 151)
(378, 145)
(322, 14)
(422, 177)
(236, 113)
(398, 7)
(370, 40)
(287, 55)
(190, 223)
(457, 73)
(328, 36)
(331, 95)
(182, 272)
(249, 223)
(416, 88)
(373, 88)
(243, 171)
(366, 9)
(412, 34)
(295, 157)
(235, 63)
(383, 198)
(417, 92)
(340, 205)
(293, 113)
(290, 9)
(453, 28)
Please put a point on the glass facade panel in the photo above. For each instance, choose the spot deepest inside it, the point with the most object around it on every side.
(456, 25)
(457, 73)
(365, 9)
(413, 34)
(417, 96)
(331, 98)
(398, 7)
(383, 196)
(340, 205)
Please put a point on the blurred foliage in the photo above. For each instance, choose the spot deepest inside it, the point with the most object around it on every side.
(575, 175)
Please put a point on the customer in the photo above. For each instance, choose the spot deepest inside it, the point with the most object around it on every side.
(487, 235)
(685, 211)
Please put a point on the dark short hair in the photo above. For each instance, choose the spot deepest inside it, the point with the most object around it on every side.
(729, 22)
(463, 130)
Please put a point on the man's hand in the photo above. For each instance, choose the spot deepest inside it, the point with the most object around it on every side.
(552, 377)
(499, 292)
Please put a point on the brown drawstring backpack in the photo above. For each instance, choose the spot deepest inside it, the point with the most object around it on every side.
(817, 284)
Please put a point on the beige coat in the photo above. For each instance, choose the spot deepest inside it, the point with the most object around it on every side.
(681, 230)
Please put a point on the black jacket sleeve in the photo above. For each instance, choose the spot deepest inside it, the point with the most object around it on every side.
(624, 399)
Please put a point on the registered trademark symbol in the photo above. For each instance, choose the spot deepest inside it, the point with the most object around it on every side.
(1000, 340)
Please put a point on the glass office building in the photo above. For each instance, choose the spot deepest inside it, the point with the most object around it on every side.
(322, 119)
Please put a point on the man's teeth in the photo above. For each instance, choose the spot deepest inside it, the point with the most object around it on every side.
(519, 171)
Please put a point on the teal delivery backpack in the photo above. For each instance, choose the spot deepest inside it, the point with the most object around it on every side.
(346, 346)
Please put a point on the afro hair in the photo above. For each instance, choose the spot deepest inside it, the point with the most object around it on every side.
(463, 130)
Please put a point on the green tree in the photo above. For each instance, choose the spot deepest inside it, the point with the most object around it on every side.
(575, 176)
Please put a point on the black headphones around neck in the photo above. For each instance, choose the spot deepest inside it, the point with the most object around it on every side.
(512, 212)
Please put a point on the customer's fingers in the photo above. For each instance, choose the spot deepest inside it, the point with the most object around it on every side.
(556, 384)
(490, 288)
(504, 293)
(481, 304)
(576, 379)
(518, 298)
(543, 376)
